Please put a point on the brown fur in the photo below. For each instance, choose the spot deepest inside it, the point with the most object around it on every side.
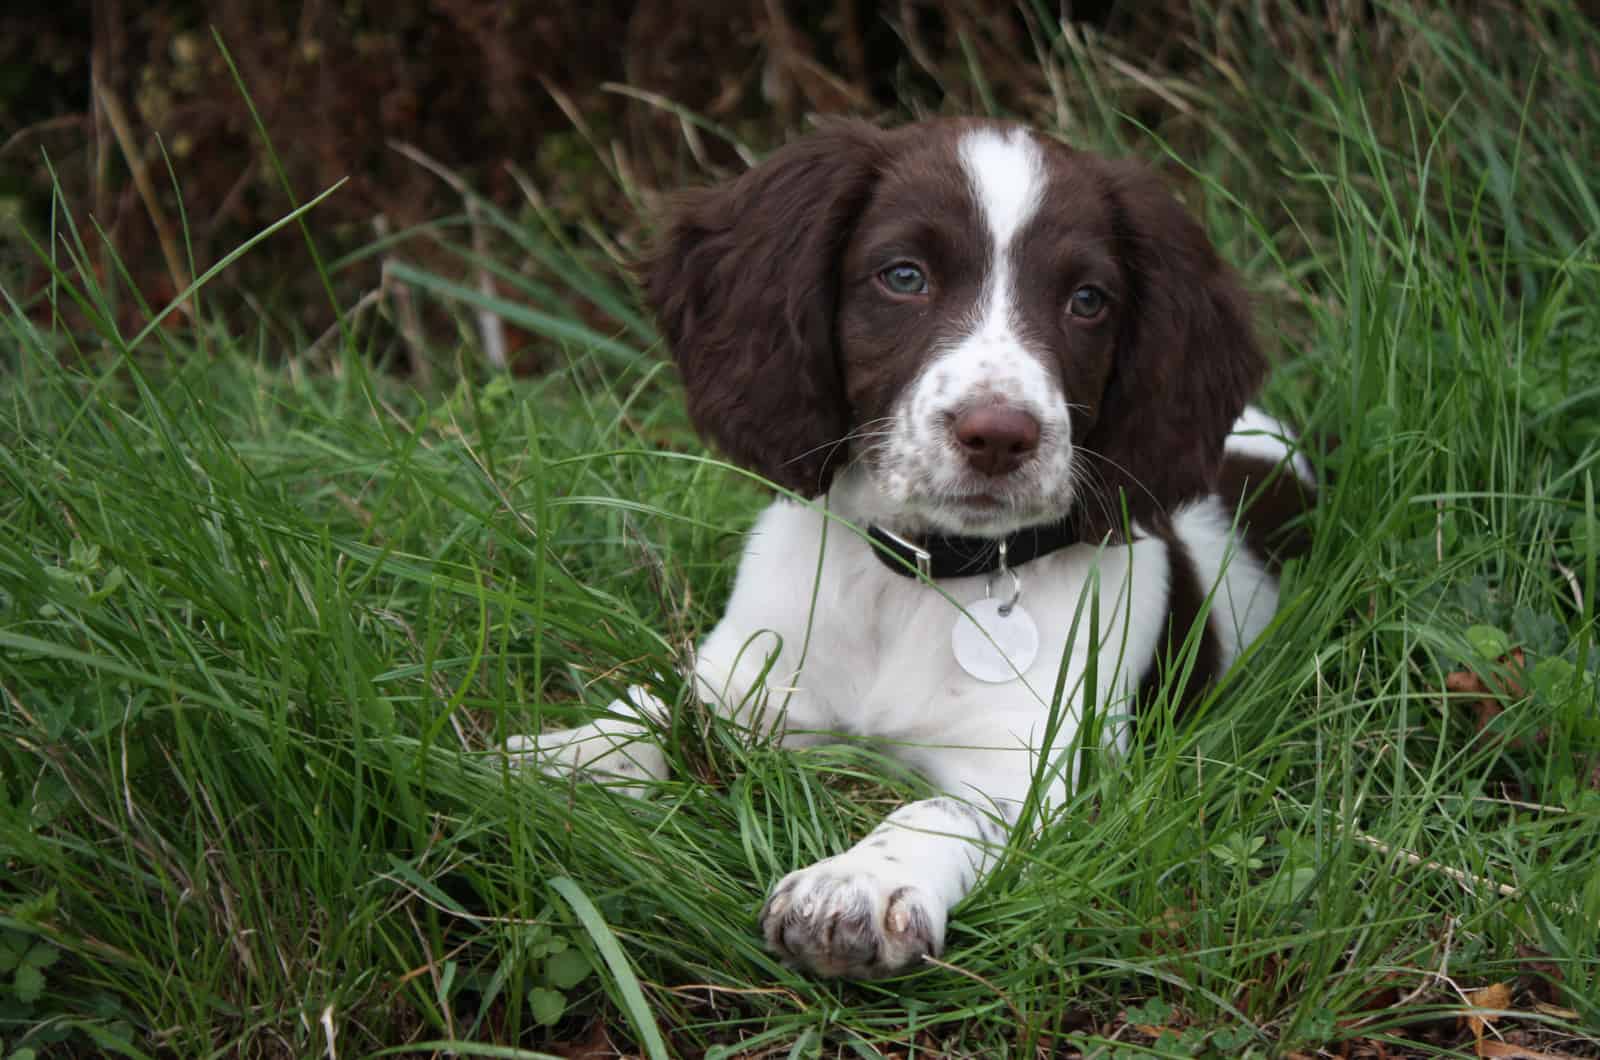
(762, 286)
(744, 287)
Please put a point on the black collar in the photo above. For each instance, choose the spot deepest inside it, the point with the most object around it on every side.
(939, 556)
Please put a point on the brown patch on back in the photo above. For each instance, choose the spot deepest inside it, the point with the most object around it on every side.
(1186, 603)
(1274, 500)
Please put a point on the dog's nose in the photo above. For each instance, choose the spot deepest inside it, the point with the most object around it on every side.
(996, 439)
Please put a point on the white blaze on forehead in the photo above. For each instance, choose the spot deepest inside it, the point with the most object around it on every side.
(986, 358)
(1006, 171)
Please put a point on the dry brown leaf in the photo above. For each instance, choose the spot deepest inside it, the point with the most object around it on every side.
(1496, 996)
(592, 1045)
(1465, 683)
(1491, 696)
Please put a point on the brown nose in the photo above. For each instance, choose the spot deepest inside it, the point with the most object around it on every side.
(996, 439)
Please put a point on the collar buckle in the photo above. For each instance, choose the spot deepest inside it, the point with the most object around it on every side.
(923, 558)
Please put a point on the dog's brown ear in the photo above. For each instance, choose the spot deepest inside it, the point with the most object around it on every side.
(744, 285)
(1186, 361)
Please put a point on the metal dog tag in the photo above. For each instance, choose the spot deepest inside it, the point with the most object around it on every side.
(993, 642)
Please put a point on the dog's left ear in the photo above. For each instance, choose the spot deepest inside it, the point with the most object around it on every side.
(1186, 361)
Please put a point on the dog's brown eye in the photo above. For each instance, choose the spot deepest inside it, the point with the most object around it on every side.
(1087, 302)
(904, 278)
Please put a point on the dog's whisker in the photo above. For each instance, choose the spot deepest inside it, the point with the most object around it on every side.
(831, 447)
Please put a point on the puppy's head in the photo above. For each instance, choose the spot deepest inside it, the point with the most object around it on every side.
(989, 329)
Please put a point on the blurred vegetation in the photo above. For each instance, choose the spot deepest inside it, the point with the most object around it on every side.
(576, 118)
(133, 109)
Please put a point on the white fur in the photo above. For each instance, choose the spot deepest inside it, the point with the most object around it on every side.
(878, 666)
(1245, 596)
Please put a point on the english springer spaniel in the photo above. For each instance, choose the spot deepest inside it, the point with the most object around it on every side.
(1007, 382)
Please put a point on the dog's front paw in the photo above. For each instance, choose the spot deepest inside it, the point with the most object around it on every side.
(608, 752)
(845, 917)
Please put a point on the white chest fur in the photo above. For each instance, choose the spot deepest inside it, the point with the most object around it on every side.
(878, 660)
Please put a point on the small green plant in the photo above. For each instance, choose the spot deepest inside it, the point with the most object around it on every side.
(561, 967)
(82, 579)
(24, 957)
(1238, 851)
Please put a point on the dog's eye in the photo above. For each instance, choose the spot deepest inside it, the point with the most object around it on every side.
(904, 278)
(1087, 302)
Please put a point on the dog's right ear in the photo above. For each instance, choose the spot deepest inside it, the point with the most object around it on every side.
(744, 285)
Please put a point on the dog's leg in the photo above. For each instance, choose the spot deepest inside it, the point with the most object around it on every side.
(761, 635)
(880, 907)
(619, 749)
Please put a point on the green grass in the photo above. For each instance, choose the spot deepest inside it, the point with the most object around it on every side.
(260, 627)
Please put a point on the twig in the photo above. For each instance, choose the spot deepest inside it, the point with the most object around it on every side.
(491, 328)
(1460, 876)
(1429, 978)
(112, 108)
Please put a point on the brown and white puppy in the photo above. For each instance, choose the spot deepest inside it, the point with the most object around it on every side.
(1018, 368)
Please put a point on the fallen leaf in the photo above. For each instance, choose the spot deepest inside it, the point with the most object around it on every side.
(1490, 697)
(593, 1045)
(1465, 683)
(1496, 997)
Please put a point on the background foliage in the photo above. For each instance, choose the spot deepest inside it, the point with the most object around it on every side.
(284, 554)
